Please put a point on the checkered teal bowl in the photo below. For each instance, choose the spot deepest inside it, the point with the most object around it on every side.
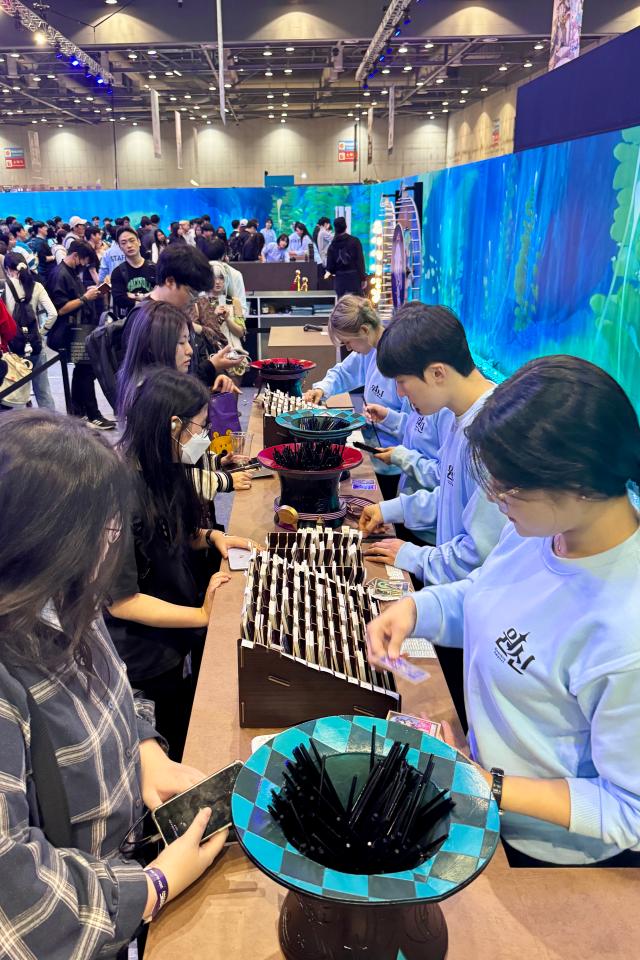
(474, 821)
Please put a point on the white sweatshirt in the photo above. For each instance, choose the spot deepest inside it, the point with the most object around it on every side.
(552, 684)
(467, 525)
(40, 302)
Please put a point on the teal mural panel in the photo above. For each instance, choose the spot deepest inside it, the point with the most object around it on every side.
(539, 253)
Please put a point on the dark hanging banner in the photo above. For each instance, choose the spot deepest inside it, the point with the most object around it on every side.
(592, 94)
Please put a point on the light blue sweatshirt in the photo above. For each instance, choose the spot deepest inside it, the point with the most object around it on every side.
(360, 370)
(418, 453)
(112, 259)
(552, 684)
(467, 525)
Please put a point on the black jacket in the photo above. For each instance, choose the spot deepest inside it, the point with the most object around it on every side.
(345, 255)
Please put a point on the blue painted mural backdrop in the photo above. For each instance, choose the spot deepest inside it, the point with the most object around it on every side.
(222, 204)
(539, 253)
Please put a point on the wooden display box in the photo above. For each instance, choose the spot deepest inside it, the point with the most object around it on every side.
(279, 691)
(273, 433)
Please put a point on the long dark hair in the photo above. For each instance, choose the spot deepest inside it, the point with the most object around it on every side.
(155, 330)
(51, 545)
(559, 423)
(168, 491)
(15, 261)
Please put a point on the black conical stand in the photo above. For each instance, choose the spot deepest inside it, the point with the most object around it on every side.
(314, 929)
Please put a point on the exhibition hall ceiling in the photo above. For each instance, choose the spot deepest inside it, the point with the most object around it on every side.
(282, 61)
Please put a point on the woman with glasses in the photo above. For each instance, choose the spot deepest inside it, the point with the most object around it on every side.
(160, 602)
(61, 676)
(550, 622)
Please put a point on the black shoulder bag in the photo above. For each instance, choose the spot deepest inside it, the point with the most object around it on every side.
(50, 793)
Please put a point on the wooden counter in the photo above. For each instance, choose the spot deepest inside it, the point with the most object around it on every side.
(505, 914)
(310, 344)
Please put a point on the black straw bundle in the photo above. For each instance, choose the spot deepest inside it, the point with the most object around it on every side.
(281, 366)
(318, 455)
(323, 423)
(385, 825)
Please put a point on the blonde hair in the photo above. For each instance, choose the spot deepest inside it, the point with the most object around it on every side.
(350, 314)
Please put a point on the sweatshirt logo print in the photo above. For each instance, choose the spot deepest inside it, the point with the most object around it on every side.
(450, 474)
(420, 425)
(511, 649)
(379, 392)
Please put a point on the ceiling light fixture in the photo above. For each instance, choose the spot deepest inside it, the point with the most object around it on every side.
(51, 76)
(445, 103)
(37, 79)
(270, 96)
(40, 38)
(152, 53)
(429, 45)
(168, 73)
(177, 73)
(384, 92)
(283, 120)
(227, 86)
(60, 125)
(110, 3)
(385, 70)
(187, 96)
(403, 49)
(152, 76)
(484, 88)
(123, 118)
(539, 45)
(350, 114)
(289, 49)
(15, 56)
(286, 94)
(267, 73)
(366, 94)
(445, 110)
(173, 98)
(288, 70)
(133, 56)
(419, 83)
(462, 100)
(135, 123)
(267, 53)
(463, 92)
(503, 67)
(212, 88)
(407, 68)
(271, 116)
(527, 64)
(440, 80)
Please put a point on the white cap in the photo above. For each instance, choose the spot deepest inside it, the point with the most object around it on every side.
(74, 221)
(243, 223)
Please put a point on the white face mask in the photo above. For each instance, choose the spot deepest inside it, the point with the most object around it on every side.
(195, 448)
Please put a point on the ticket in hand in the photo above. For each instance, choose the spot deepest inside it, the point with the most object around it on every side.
(399, 666)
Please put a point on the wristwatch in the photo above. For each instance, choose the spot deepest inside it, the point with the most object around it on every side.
(209, 538)
(496, 784)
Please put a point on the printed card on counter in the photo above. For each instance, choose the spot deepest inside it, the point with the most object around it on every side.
(418, 648)
(416, 723)
(363, 484)
(394, 573)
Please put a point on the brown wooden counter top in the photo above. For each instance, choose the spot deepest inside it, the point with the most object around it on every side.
(506, 914)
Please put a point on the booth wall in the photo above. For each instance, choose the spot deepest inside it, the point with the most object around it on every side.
(86, 157)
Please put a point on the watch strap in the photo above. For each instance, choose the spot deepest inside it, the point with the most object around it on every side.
(497, 782)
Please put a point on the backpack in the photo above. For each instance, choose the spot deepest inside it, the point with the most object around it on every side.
(27, 324)
(105, 349)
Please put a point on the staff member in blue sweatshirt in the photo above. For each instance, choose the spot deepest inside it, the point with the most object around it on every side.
(426, 350)
(417, 453)
(355, 325)
(550, 623)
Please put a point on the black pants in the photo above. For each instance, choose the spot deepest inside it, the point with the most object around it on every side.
(628, 858)
(388, 483)
(83, 391)
(348, 282)
(173, 697)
